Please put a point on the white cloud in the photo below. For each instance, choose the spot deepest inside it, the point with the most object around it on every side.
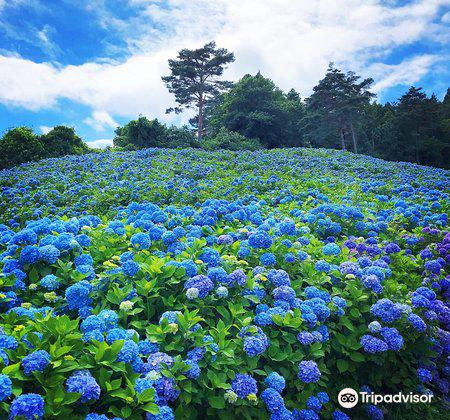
(405, 73)
(100, 121)
(45, 42)
(100, 144)
(290, 41)
(446, 17)
(44, 129)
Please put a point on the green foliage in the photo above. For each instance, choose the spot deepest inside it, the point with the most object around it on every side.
(230, 140)
(144, 133)
(257, 109)
(336, 107)
(19, 145)
(61, 141)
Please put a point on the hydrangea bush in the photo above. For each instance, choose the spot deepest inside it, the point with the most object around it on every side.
(159, 284)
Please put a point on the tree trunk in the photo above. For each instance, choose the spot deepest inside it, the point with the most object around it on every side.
(342, 139)
(416, 146)
(200, 119)
(355, 145)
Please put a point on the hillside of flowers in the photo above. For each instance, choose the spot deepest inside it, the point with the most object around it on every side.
(184, 284)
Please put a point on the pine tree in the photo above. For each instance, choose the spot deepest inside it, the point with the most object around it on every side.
(336, 108)
(194, 78)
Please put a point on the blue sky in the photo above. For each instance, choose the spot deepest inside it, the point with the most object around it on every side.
(96, 64)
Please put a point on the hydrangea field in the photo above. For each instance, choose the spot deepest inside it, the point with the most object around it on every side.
(185, 284)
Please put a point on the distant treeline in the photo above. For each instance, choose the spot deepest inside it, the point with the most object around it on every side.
(254, 113)
(21, 144)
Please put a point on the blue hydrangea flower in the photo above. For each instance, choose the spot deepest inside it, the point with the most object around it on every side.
(5, 387)
(331, 249)
(203, 284)
(77, 295)
(192, 293)
(244, 385)
(373, 344)
(129, 352)
(171, 316)
(147, 347)
(260, 239)
(386, 310)
(285, 293)
(142, 384)
(374, 327)
(165, 413)
(305, 414)
(275, 381)
(29, 255)
(308, 371)
(166, 390)
(237, 276)
(278, 277)
(322, 266)
(268, 259)
(218, 275)
(222, 292)
(85, 384)
(323, 397)
(374, 413)
(393, 338)
(339, 415)
(141, 241)
(35, 362)
(49, 253)
(87, 270)
(50, 282)
(194, 369)
(157, 360)
(305, 338)
(253, 346)
(313, 403)
(211, 257)
(109, 317)
(83, 259)
(30, 406)
(424, 375)
(130, 268)
(417, 322)
(272, 399)
(7, 342)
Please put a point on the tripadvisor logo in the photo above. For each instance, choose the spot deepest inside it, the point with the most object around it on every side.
(348, 398)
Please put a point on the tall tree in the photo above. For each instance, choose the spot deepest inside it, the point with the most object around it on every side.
(418, 119)
(62, 140)
(296, 111)
(194, 78)
(255, 108)
(381, 132)
(336, 108)
(143, 133)
(20, 145)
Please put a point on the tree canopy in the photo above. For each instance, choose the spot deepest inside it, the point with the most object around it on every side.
(256, 108)
(336, 107)
(21, 144)
(143, 133)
